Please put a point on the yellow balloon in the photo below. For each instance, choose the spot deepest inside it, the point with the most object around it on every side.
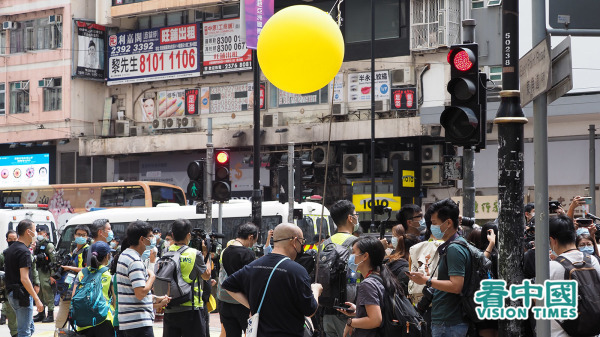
(300, 49)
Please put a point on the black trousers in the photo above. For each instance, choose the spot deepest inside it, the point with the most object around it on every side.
(189, 323)
(234, 318)
(103, 330)
(145, 331)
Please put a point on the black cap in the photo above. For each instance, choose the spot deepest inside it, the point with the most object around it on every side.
(156, 230)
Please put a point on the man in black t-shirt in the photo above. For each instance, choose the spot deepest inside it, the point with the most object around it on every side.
(289, 297)
(234, 316)
(18, 278)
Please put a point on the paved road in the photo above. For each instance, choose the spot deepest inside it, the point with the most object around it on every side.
(47, 329)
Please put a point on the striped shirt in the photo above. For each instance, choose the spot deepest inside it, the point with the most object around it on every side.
(131, 274)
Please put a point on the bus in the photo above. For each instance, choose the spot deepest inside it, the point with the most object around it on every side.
(235, 213)
(66, 200)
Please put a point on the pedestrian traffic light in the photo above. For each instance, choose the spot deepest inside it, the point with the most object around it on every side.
(302, 177)
(195, 188)
(283, 184)
(221, 189)
(462, 119)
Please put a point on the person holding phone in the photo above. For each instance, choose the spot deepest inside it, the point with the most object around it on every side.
(577, 201)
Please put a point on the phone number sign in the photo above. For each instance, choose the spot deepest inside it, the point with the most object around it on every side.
(224, 50)
(154, 54)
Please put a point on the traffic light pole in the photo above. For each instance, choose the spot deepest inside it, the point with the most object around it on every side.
(372, 156)
(256, 193)
(511, 120)
(291, 182)
(468, 151)
(209, 179)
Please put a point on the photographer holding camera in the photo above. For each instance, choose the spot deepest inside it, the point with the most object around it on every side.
(44, 255)
(21, 294)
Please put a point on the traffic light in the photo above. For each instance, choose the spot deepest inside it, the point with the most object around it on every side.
(302, 177)
(462, 120)
(282, 186)
(221, 189)
(195, 171)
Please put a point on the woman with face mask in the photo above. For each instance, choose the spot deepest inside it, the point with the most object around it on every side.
(397, 262)
(585, 244)
(366, 315)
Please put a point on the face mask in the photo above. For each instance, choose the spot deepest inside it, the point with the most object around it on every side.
(113, 245)
(80, 240)
(582, 230)
(533, 215)
(352, 263)
(422, 225)
(10, 243)
(32, 236)
(157, 236)
(146, 254)
(356, 225)
(394, 242)
(436, 231)
(152, 243)
(167, 245)
(40, 237)
(299, 253)
(110, 236)
(587, 249)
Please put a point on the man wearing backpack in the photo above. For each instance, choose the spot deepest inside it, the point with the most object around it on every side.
(335, 280)
(567, 267)
(186, 319)
(446, 314)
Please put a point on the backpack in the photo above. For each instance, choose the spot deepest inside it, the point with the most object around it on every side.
(88, 305)
(222, 294)
(480, 269)
(588, 288)
(400, 318)
(168, 279)
(333, 272)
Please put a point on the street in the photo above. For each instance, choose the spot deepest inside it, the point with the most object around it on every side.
(47, 329)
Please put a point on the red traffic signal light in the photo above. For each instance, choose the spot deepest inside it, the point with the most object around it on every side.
(462, 59)
(222, 157)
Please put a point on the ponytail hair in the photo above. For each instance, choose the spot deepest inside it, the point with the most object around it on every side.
(371, 245)
(99, 251)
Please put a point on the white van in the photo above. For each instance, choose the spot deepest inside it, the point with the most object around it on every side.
(12, 214)
(235, 213)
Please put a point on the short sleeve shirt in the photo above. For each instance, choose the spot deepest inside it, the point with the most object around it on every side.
(288, 299)
(370, 292)
(131, 274)
(446, 306)
(16, 256)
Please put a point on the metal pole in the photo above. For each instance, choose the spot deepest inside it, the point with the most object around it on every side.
(291, 182)
(256, 193)
(540, 167)
(220, 221)
(373, 114)
(209, 178)
(593, 168)
(469, 182)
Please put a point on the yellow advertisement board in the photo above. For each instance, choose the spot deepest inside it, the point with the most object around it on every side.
(362, 202)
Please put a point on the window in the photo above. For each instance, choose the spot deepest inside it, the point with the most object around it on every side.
(53, 94)
(3, 50)
(157, 21)
(129, 196)
(74, 168)
(19, 97)
(143, 22)
(358, 18)
(162, 194)
(67, 167)
(177, 18)
(35, 35)
(2, 99)
(29, 41)
(477, 4)
(16, 41)
(496, 75)
(231, 11)
(494, 3)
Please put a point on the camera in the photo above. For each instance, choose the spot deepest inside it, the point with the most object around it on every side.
(553, 206)
(425, 301)
(467, 221)
(199, 235)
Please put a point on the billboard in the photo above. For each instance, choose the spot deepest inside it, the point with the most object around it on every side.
(404, 98)
(24, 170)
(90, 55)
(359, 86)
(224, 50)
(154, 54)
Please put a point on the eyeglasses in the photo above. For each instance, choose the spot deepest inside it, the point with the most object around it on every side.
(301, 240)
(417, 216)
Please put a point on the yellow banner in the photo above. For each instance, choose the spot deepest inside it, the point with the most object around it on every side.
(362, 202)
(408, 178)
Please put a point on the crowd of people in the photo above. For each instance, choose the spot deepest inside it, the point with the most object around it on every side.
(426, 261)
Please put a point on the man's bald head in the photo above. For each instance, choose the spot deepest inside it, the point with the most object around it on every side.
(285, 231)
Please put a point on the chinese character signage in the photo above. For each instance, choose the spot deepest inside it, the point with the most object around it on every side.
(224, 50)
(191, 102)
(234, 98)
(257, 14)
(90, 56)
(359, 86)
(171, 103)
(404, 98)
(154, 54)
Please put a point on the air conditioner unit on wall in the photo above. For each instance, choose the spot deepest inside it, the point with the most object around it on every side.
(156, 124)
(135, 131)
(403, 76)
(171, 123)
(22, 85)
(340, 109)
(431, 153)
(121, 128)
(46, 83)
(382, 106)
(54, 19)
(319, 157)
(186, 122)
(352, 163)
(431, 174)
(9, 25)
(381, 165)
(271, 120)
(399, 155)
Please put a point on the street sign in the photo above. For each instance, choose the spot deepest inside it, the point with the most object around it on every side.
(562, 70)
(569, 14)
(535, 72)
(453, 167)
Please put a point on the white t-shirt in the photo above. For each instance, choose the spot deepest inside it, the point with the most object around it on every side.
(557, 272)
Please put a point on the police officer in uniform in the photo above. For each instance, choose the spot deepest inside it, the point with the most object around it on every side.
(44, 254)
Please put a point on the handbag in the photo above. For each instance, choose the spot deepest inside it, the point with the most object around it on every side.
(252, 330)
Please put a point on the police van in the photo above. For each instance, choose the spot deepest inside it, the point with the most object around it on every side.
(307, 216)
(12, 214)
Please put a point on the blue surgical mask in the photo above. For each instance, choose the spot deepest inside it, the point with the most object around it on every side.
(587, 249)
(582, 230)
(110, 236)
(394, 242)
(152, 243)
(352, 264)
(436, 231)
(422, 225)
(146, 254)
(357, 224)
(113, 245)
(80, 240)
(40, 237)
